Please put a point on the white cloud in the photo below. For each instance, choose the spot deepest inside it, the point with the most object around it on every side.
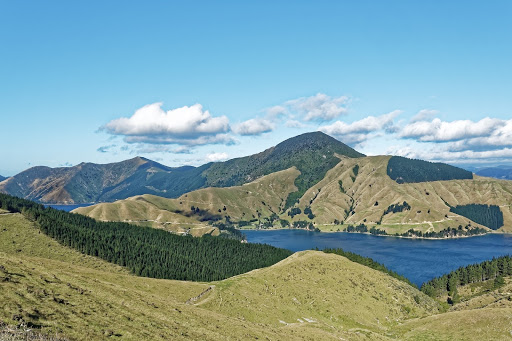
(188, 140)
(276, 111)
(181, 150)
(424, 115)
(254, 126)
(359, 131)
(487, 135)
(319, 107)
(144, 148)
(443, 155)
(295, 124)
(215, 157)
(440, 131)
(186, 126)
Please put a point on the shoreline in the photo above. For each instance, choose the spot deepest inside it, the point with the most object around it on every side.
(378, 235)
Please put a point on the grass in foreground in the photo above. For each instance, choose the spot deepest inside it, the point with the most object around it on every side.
(308, 296)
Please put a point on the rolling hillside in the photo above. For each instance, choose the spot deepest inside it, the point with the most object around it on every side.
(366, 197)
(312, 153)
(262, 197)
(308, 296)
(355, 191)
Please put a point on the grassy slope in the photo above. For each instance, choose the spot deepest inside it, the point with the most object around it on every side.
(326, 288)
(372, 185)
(82, 297)
(66, 292)
(147, 210)
(264, 195)
(482, 314)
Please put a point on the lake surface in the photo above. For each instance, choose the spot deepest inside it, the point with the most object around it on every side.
(68, 208)
(417, 259)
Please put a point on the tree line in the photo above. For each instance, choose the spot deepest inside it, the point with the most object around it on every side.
(448, 232)
(487, 215)
(147, 251)
(404, 170)
(487, 270)
(367, 261)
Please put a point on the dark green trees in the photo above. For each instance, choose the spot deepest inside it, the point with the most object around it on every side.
(487, 215)
(404, 170)
(146, 251)
(491, 269)
(394, 208)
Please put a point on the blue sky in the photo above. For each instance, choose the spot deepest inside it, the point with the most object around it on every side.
(187, 82)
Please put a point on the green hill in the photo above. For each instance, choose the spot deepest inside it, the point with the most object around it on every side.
(355, 191)
(56, 289)
(308, 296)
(146, 251)
(312, 153)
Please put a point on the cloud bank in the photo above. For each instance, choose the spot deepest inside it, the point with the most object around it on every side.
(188, 125)
(254, 126)
(360, 131)
(152, 129)
(319, 107)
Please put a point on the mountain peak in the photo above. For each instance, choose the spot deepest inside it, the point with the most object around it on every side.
(317, 140)
(313, 154)
(140, 158)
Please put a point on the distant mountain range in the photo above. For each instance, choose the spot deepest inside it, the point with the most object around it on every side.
(312, 153)
(2, 178)
(498, 172)
(308, 179)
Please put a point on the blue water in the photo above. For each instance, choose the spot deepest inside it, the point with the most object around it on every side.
(417, 259)
(68, 208)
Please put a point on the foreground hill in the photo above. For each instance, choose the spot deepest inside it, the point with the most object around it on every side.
(60, 290)
(308, 296)
(355, 191)
(312, 153)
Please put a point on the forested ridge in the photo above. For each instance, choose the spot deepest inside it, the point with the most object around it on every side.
(487, 215)
(404, 170)
(311, 153)
(490, 269)
(146, 251)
